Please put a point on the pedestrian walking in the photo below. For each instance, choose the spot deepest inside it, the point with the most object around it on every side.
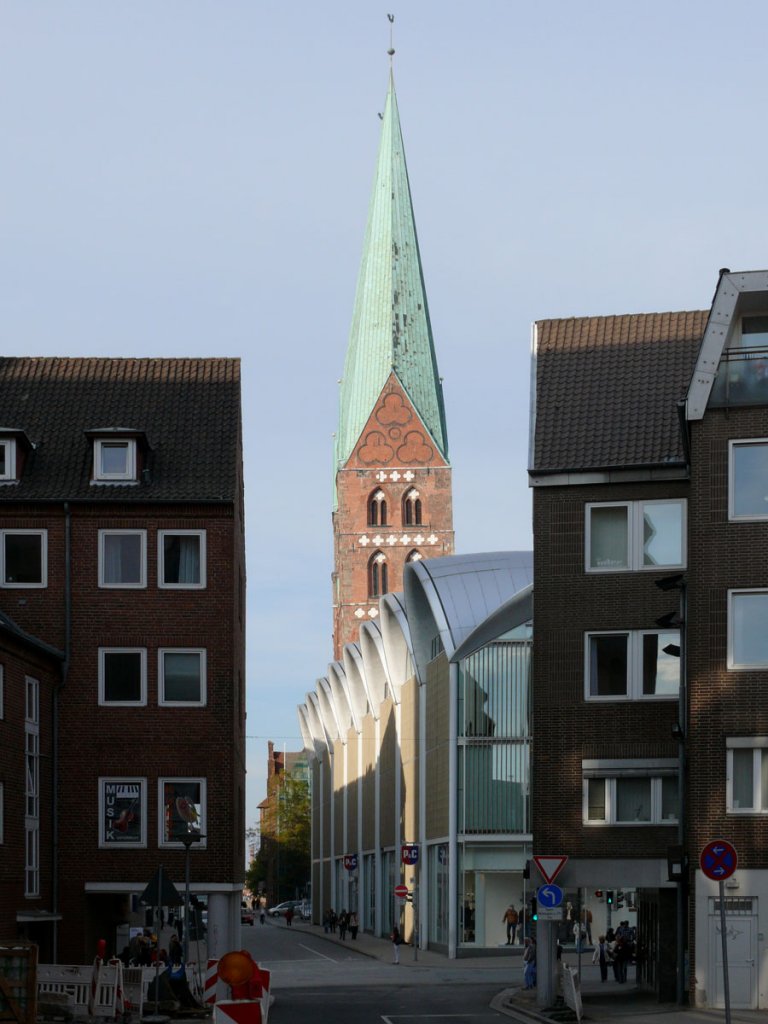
(600, 956)
(510, 920)
(396, 940)
(353, 926)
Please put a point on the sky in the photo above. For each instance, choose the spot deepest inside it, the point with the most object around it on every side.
(191, 178)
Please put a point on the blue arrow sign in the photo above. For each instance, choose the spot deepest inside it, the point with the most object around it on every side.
(549, 896)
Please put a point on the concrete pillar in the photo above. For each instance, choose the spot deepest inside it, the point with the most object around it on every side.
(221, 938)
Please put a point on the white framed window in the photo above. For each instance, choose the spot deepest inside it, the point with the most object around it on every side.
(630, 792)
(114, 460)
(748, 479)
(122, 813)
(32, 786)
(632, 664)
(636, 536)
(123, 558)
(181, 559)
(8, 459)
(122, 676)
(747, 775)
(182, 676)
(24, 555)
(181, 810)
(747, 629)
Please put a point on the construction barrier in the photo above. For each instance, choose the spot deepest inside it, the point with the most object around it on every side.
(211, 982)
(117, 988)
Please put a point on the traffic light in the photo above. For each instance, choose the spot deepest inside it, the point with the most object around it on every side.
(609, 897)
(619, 899)
(598, 894)
(527, 869)
(534, 910)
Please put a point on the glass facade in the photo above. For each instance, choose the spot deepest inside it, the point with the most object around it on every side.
(493, 777)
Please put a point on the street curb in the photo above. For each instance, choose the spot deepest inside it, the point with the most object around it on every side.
(503, 1003)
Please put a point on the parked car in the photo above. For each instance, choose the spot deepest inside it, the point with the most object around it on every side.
(282, 908)
(247, 916)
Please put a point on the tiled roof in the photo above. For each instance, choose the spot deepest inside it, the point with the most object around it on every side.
(189, 410)
(607, 389)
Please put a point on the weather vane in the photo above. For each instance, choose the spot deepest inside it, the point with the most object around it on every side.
(391, 50)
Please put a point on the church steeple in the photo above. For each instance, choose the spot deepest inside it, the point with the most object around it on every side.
(392, 484)
(390, 329)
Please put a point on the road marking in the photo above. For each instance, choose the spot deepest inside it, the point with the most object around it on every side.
(310, 950)
(437, 1016)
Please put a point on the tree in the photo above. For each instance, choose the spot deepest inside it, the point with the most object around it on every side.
(283, 861)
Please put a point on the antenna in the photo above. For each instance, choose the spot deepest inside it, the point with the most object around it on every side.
(391, 50)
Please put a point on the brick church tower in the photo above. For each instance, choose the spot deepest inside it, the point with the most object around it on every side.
(393, 478)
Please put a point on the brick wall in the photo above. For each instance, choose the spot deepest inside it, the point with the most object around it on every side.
(567, 728)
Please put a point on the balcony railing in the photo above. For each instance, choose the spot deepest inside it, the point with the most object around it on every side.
(742, 378)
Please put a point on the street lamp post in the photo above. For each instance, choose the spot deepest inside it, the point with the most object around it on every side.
(187, 839)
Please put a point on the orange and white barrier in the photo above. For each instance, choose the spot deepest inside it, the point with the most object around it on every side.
(211, 982)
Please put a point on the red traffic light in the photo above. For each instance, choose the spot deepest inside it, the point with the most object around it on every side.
(598, 893)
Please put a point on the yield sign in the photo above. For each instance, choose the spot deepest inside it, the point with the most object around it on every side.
(550, 867)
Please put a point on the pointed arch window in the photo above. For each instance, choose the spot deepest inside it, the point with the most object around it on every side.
(378, 574)
(414, 556)
(377, 508)
(412, 508)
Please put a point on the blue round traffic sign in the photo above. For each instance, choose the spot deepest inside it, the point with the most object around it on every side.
(549, 896)
(718, 860)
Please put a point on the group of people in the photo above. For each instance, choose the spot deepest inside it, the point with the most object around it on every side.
(345, 921)
(616, 949)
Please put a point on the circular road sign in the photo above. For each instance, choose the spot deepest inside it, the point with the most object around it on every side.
(718, 860)
(401, 891)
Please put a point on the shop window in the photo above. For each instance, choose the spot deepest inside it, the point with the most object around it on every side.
(114, 461)
(635, 535)
(412, 508)
(123, 558)
(747, 775)
(182, 676)
(632, 792)
(181, 556)
(378, 575)
(122, 813)
(122, 676)
(24, 557)
(182, 811)
(748, 479)
(632, 665)
(377, 509)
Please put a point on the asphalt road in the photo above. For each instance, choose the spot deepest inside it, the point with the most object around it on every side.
(315, 980)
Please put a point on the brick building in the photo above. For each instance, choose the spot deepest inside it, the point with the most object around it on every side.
(122, 518)
(649, 473)
(392, 487)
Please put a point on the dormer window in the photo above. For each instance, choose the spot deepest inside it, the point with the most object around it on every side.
(8, 459)
(114, 460)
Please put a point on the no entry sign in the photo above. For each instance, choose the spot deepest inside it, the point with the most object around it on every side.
(718, 860)
(401, 891)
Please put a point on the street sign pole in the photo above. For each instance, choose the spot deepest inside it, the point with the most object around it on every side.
(718, 861)
(724, 937)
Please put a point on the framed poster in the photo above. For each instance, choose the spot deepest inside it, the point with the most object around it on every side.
(122, 813)
(182, 810)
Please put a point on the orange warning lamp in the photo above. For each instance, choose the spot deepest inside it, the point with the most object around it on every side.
(240, 971)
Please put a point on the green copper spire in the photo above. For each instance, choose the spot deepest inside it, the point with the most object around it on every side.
(390, 325)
